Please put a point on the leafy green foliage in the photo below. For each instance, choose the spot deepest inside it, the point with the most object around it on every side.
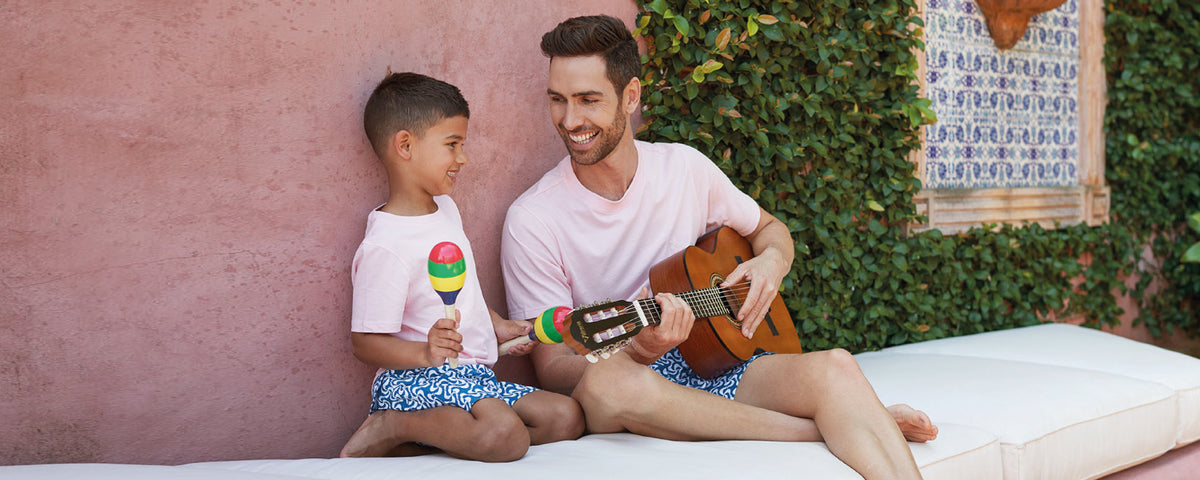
(811, 106)
(1152, 52)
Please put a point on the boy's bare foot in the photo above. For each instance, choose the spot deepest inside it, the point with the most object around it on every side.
(375, 437)
(913, 423)
(410, 449)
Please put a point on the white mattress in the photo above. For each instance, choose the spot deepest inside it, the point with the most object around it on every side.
(1089, 349)
(1045, 402)
(961, 452)
(1052, 422)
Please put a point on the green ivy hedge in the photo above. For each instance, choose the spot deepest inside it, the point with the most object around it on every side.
(1152, 54)
(812, 107)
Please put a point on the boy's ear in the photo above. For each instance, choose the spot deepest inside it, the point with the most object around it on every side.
(402, 144)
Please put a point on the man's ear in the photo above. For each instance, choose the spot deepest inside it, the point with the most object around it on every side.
(632, 95)
(402, 144)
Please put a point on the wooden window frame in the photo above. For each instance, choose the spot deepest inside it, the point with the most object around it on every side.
(957, 210)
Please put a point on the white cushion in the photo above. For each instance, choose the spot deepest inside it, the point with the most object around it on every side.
(1089, 349)
(960, 452)
(619, 455)
(1052, 422)
(112, 471)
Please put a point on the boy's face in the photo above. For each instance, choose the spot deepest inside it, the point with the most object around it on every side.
(438, 154)
(585, 108)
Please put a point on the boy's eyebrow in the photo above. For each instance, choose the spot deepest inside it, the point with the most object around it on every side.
(454, 136)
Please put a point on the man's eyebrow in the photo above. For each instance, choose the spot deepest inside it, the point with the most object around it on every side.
(579, 94)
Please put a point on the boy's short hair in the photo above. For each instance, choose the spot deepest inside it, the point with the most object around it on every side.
(412, 102)
(597, 35)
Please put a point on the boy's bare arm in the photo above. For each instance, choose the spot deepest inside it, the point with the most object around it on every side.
(386, 351)
(509, 329)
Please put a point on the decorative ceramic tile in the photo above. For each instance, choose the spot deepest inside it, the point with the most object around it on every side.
(1005, 118)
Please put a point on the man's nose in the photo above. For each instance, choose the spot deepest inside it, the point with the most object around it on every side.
(572, 118)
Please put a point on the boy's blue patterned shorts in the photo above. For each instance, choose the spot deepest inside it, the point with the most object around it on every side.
(672, 367)
(424, 388)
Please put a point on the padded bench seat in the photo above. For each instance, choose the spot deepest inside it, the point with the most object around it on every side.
(1045, 402)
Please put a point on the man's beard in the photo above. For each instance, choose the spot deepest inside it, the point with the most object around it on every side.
(606, 141)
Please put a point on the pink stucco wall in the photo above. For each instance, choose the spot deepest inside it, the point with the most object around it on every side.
(183, 185)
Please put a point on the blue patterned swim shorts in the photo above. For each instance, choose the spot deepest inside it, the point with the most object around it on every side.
(672, 367)
(424, 388)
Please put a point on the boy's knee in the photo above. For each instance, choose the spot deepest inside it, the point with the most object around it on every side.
(570, 422)
(502, 440)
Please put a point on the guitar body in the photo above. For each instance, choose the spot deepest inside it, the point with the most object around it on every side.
(716, 343)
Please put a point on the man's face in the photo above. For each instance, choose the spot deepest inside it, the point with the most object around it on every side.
(585, 108)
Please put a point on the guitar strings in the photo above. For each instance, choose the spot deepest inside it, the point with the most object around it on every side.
(704, 298)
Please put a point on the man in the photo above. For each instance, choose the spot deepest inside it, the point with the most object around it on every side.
(592, 227)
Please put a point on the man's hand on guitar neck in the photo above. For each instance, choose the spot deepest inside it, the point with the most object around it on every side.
(675, 325)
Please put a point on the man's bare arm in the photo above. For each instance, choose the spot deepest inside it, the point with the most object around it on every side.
(558, 367)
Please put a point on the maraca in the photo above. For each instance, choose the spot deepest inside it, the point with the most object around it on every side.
(547, 328)
(447, 273)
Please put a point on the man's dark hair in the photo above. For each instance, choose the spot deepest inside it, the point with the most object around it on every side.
(409, 101)
(597, 35)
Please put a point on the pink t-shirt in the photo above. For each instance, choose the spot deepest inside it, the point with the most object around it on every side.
(392, 291)
(564, 245)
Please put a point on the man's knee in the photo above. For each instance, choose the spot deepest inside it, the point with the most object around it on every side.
(614, 387)
(839, 365)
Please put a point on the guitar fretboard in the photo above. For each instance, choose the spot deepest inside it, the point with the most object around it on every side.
(707, 302)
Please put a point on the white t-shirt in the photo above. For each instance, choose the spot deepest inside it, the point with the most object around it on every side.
(392, 291)
(564, 245)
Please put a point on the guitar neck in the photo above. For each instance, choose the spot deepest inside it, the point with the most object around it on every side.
(706, 302)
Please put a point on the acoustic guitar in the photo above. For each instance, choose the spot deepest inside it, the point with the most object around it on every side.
(716, 343)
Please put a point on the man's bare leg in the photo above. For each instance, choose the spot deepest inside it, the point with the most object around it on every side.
(490, 432)
(829, 387)
(619, 394)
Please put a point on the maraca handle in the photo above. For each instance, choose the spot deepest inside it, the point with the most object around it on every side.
(514, 343)
(450, 314)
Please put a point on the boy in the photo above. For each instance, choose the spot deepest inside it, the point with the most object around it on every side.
(417, 126)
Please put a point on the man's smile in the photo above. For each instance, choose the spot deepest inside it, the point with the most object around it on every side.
(583, 138)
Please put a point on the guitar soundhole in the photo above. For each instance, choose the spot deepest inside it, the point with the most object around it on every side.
(732, 302)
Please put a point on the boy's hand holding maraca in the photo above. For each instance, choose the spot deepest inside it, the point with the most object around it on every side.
(444, 341)
(447, 273)
(509, 329)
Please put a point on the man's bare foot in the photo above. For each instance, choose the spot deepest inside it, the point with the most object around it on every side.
(913, 423)
(375, 437)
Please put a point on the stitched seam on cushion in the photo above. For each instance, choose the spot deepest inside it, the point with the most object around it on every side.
(981, 447)
(1047, 434)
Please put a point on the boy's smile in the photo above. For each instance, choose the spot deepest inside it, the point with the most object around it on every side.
(437, 156)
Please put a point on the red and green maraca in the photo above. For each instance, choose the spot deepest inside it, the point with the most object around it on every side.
(447, 273)
(547, 328)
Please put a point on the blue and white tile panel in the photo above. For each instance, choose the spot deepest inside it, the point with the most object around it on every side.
(1005, 118)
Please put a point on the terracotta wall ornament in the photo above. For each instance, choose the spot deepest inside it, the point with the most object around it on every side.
(1007, 19)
